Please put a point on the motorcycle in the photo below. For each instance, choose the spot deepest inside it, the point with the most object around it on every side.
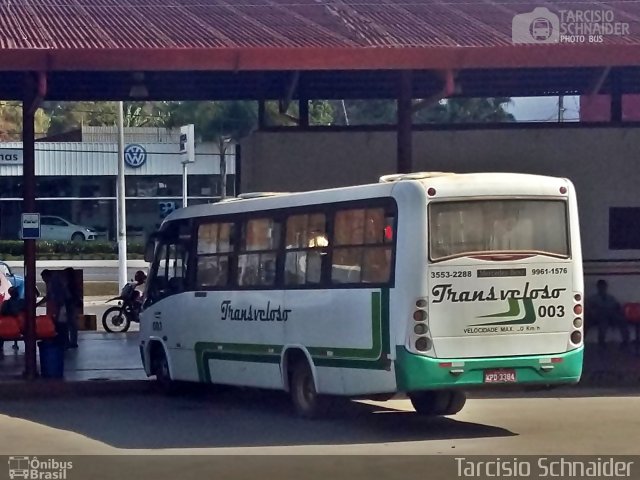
(118, 319)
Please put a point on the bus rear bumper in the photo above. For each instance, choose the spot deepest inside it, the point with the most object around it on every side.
(416, 372)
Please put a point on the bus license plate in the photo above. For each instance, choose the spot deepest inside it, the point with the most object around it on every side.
(500, 376)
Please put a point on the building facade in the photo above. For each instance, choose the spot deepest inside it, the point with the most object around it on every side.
(77, 180)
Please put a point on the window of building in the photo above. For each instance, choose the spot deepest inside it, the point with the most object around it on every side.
(306, 242)
(258, 252)
(214, 253)
(362, 247)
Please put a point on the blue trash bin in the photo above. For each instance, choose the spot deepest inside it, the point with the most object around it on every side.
(51, 359)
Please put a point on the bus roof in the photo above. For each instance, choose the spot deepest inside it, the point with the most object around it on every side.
(447, 185)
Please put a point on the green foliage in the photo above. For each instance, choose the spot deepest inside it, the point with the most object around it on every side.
(466, 110)
(65, 116)
(15, 248)
(215, 120)
(11, 122)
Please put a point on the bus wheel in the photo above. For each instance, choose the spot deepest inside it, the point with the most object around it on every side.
(441, 402)
(306, 401)
(161, 371)
(430, 402)
(456, 402)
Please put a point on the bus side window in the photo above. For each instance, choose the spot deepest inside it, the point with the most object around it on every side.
(258, 252)
(306, 242)
(362, 249)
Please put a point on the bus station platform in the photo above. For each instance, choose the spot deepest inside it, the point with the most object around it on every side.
(106, 362)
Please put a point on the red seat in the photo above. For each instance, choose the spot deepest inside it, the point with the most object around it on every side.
(45, 328)
(632, 312)
(9, 328)
(632, 315)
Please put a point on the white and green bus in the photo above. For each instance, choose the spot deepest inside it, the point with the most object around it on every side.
(424, 284)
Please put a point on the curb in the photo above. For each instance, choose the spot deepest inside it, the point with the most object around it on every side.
(18, 389)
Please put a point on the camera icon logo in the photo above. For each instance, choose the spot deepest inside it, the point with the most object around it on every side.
(539, 26)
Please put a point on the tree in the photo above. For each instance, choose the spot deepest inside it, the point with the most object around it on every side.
(220, 122)
(66, 116)
(454, 110)
(466, 110)
(11, 122)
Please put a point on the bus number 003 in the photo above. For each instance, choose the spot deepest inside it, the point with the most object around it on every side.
(550, 311)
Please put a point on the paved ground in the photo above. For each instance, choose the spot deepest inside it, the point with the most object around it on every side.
(250, 422)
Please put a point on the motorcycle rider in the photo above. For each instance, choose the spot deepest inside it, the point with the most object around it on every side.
(139, 278)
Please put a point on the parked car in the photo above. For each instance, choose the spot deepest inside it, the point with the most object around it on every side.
(15, 280)
(57, 228)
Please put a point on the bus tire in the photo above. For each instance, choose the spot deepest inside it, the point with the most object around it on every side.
(306, 401)
(456, 402)
(430, 403)
(160, 368)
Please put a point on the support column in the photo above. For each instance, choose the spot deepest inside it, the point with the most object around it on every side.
(29, 106)
(303, 103)
(404, 134)
(616, 97)
(262, 121)
(237, 190)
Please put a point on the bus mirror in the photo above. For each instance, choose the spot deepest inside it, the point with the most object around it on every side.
(149, 251)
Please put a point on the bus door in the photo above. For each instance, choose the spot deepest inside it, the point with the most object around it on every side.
(167, 294)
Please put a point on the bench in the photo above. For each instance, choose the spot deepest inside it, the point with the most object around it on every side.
(13, 328)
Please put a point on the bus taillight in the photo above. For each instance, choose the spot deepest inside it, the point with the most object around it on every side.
(577, 309)
(423, 344)
(419, 315)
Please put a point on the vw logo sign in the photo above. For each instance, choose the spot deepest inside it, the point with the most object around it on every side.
(135, 155)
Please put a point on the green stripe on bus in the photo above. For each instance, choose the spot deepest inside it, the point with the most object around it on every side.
(376, 357)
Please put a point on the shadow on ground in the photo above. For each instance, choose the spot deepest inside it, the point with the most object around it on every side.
(233, 418)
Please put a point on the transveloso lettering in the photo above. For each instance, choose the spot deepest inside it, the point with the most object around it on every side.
(441, 293)
(254, 314)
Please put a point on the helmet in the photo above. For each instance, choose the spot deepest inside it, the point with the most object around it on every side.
(140, 276)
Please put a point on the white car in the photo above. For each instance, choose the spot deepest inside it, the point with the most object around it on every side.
(57, 228)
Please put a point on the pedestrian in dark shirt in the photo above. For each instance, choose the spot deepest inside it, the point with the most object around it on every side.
(73, 305)
(604, 310)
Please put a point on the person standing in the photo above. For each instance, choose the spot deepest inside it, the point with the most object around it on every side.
(73, 305)
(55, 300)
(604, 310)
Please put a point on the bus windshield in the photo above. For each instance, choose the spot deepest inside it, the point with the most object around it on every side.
(461, 228)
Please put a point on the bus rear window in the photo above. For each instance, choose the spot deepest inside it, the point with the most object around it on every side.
(461, 228)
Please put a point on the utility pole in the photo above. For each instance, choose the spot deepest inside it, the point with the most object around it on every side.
(121, 203)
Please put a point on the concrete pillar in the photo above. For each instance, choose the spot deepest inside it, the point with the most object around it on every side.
(404, 135)
(29, 206)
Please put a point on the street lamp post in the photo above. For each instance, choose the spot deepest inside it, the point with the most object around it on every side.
(121, 203)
